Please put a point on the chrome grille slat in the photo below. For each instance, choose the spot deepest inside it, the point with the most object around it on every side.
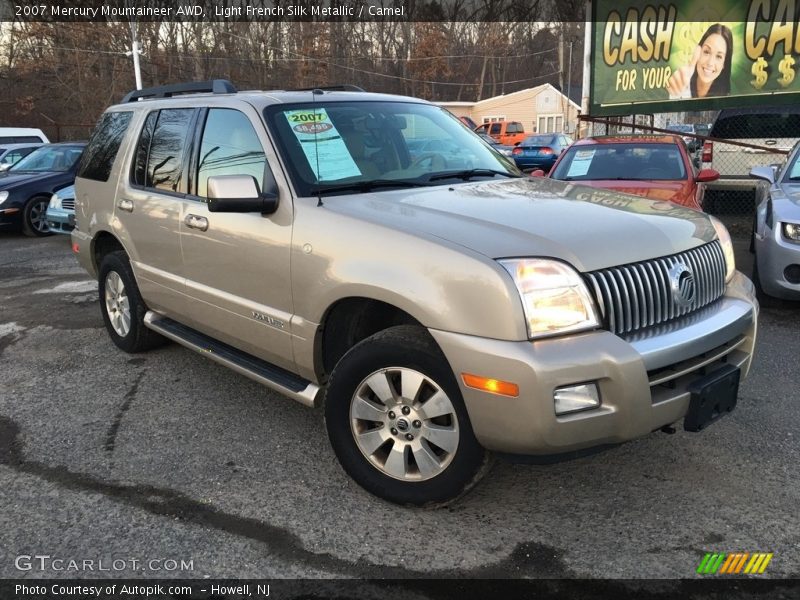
(68, 204)
(636, 296)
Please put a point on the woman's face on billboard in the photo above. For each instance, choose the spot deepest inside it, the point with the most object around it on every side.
(712, 58)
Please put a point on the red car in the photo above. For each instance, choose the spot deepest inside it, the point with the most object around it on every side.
(654, 166)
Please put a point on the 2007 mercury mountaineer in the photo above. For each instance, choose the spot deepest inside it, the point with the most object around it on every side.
(370, 251)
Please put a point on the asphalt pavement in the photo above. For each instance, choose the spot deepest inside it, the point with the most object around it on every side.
(166, 464)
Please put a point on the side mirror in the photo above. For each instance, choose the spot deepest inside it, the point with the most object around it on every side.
(4, 167)
(706, 175)
(538, 173)
(765, 173)
(239, 194)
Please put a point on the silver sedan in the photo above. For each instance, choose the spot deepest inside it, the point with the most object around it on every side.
(776, 230)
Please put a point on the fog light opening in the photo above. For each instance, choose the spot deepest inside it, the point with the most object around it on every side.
(792, 274)
(576, 398)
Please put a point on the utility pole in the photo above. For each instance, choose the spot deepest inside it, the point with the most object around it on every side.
(135, 52)
(569, 83)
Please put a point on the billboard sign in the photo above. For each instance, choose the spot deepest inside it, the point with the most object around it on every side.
(678, 55)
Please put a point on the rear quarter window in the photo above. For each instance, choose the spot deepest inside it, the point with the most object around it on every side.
(99, 155)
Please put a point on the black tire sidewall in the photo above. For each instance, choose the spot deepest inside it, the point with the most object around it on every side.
(387, 350)
(118, 263)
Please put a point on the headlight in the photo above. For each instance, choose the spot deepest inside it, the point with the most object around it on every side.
(727, 247)
(55, 201)
(791, 231)
(3, 196)
(554, 297)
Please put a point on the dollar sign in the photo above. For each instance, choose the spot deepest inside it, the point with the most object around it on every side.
(758, 72)
(786, 69)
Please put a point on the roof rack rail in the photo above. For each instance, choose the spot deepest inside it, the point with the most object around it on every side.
(330, 88)
(215, 86)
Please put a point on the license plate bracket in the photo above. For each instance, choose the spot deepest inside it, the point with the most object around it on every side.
(713, 397)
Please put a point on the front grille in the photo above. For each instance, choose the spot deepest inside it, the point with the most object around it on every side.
(636, 296)
(68, 204)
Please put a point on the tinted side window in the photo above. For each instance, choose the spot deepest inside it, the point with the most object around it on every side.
(230, 146)
(167, 149)
(495, 128)
(139, 175)
(98, 158)
(27, 139)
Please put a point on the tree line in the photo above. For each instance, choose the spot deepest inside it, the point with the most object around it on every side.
(57, 75)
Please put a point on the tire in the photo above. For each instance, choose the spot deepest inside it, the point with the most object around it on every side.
(122, 306)
(396, 362)
(34, 217)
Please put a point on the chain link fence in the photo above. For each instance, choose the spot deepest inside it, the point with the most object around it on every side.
(738, 141)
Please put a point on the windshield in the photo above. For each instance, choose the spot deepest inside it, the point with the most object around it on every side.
(635, 162)
(681, 128)
(50, 158)
(357, 146)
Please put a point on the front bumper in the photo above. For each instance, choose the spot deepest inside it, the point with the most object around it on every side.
(774, 254)
(60, 220)
(643, 381)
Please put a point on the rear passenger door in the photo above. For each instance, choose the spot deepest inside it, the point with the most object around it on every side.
(237, 264)
(148, 207)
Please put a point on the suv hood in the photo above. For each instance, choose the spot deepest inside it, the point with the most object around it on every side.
(588, 228)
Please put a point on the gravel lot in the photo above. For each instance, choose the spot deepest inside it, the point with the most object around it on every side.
(169, 456)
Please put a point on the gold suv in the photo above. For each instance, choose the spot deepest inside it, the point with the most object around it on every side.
(441, 304)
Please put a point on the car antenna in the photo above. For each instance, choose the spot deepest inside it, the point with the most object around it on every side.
(314, 93)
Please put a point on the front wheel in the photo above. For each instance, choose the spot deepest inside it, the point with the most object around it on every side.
(397, 422)
(34, 217)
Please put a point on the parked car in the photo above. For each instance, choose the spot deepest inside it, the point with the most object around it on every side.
(22, 135)
(10, 154)
(501, 148)
(776, 230)
(469, 123)
(687, 132)
(438, 314)
(540, 151)
(26, 188)
(775, 127)
(654, 166)
(61, 210)
(508, 133)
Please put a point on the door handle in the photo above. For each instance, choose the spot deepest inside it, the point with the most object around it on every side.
(196, 222)
(126, 205)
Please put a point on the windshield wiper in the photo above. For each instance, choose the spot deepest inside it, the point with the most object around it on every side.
(468, 174)
(368, 185)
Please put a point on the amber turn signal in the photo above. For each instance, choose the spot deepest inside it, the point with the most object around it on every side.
(493, 386)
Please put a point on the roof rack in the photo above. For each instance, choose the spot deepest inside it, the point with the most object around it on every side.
(215, 86)
(330, 88)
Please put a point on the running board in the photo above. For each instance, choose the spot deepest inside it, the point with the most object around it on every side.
(265, 373)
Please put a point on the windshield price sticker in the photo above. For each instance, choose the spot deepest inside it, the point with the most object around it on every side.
(325, 150)
(580, 163)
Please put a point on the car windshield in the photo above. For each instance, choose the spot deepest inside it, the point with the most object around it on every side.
(635, 162)
(50, 158)
(538, 140)
(342, 147)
